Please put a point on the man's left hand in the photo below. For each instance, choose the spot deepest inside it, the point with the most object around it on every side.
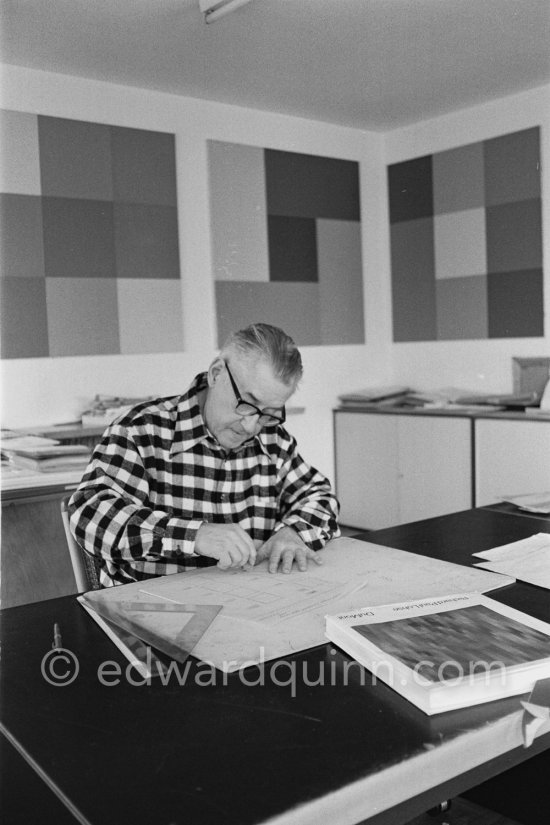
(284, 548)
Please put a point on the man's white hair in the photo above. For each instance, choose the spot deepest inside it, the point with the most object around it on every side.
(271, 343)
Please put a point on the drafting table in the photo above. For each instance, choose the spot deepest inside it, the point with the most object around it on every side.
(247, 753)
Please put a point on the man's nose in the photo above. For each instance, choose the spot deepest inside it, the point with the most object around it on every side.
(250, 423)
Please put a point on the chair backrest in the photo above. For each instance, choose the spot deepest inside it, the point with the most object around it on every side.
(85, 567)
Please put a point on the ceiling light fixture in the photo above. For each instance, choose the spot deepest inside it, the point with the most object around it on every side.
(214, 9)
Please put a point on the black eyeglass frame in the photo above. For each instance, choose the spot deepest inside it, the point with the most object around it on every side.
(265, 419)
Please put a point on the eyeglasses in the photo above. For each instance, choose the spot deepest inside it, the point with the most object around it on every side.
(245, 408)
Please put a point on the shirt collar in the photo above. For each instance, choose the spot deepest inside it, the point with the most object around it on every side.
(191, 429)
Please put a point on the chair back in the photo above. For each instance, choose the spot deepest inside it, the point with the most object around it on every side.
(85, 567)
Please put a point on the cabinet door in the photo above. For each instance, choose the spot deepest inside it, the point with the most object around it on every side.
(435, 475)
(366, 469)
(512, 457)
(35, 559)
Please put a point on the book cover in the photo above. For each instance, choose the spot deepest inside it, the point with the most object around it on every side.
(447, 653)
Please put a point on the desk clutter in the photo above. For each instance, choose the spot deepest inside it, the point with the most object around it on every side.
(450, 398)
(105, 408)
(531, 393)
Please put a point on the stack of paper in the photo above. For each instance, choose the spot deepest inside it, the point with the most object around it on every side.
(47, 458)
(527, 560)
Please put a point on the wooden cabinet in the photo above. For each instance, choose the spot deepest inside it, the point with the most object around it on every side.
(35, 559)
(511, 458)
(395, 468)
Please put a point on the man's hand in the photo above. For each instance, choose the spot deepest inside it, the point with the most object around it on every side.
(226, 542)
(285, 547)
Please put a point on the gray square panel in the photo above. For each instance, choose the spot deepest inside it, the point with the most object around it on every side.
(78, 238)
(144, 166)
(82, 316)
(410, 189)
(238, 212)
(413, 280)
(512, 167)
(21, 242)
(460, 244)
(150, 315)
(146, 240)
(458, 179)
(311, 186)
(515, 304)
(514, 236)
(340, 282)
(19, 159)
(75, 159)
(292, 248)
(292, 306)
(23, 318)
(462, 308)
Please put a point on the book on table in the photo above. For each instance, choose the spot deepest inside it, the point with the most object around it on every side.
(449, 652)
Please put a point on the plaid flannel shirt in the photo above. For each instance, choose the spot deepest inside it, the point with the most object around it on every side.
(158, 474)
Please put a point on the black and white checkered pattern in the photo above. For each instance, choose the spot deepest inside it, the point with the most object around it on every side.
(158, 474)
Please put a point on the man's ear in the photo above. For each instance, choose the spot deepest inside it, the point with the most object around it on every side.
(215, 370)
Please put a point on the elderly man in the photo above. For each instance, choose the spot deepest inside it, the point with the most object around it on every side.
(208, 477)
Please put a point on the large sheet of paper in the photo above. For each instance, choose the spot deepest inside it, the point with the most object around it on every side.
(527, 560)
(268, 615)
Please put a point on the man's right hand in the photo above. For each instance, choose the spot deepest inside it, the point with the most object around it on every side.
(226, 542)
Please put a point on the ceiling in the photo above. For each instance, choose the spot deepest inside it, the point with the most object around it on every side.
(372, 64)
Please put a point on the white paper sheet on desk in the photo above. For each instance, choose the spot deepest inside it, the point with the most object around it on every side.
(531, 502)
(266, 615)
(527, 560)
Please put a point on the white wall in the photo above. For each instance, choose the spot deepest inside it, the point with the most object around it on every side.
(52, 390)
(477, 365)
(43, 391)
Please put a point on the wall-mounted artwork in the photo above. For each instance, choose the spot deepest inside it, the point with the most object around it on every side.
(89, 239)
(466, 242)
(286, 243)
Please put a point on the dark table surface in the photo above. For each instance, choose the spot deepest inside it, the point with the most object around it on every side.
(216, 750)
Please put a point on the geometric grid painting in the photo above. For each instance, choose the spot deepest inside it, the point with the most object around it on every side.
(89, 260)
(286, 243)
(466, 242)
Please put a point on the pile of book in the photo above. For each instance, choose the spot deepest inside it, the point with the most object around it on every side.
(44, 455)
(447, 398)
(393, 396)
(389, 395)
